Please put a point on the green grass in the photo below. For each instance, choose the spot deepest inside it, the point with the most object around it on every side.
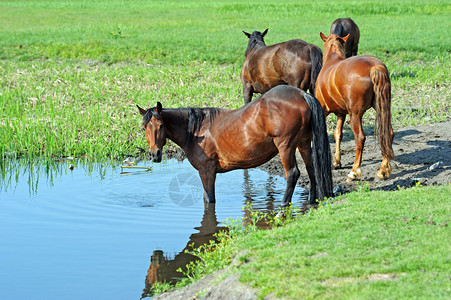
(372, 245)
(71, 72)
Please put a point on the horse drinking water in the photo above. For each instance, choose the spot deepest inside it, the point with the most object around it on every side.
(351, 86)
(219, 140)
(295, 62)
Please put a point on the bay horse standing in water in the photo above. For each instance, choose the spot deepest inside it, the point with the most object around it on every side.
(219, 140)
(351, 86)
(343, 27)
(295, 62)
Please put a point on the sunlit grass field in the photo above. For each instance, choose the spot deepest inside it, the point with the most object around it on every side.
(71, 72)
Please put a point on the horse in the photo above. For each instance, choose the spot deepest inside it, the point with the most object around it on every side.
(220, 140)
(344, 26)
(295, 62)
(351, 86)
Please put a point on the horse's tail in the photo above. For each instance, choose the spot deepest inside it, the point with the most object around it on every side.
(316, 58)
(320, 148)
(382, 91)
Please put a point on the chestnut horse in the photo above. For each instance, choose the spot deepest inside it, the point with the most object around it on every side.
(219, 140)
(294, 62)
(351, 86)
(344, 26)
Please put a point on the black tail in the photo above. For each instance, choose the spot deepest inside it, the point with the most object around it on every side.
(320, 149)
(316, 58)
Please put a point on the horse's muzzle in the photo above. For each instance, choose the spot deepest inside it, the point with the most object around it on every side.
(156, 156)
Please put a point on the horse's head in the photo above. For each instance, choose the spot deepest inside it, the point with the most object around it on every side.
(254, 38)
(154, 129)
(334, 44)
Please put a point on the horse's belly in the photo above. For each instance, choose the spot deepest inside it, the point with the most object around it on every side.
(246, 157)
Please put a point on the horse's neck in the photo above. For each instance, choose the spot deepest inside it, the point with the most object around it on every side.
(258, 45)
(332, 58)
(175, 125)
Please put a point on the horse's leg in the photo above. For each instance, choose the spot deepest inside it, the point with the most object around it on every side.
(306, 153)
(385, 170)
(248, 91)
(208, 181)
(359, 137)
(338, 135)
(288, 158)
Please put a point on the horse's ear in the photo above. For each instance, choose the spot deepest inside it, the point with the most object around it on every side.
(141, 110)
(323, 37)
(265, 32)
(247, 34)
(346, 38)
(159, 107)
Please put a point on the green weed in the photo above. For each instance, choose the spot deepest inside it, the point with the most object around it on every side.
(69, 83)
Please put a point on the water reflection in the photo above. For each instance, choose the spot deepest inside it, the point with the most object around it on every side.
(164, 269)
(261, 196)
(12, 171)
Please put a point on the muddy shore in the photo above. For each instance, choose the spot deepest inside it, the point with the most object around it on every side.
(417, 149)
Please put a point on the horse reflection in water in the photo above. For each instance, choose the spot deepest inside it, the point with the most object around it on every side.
(162, 269)
(251, 189)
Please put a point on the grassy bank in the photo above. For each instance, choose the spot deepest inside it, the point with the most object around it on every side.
(71, 72)
(378, 245)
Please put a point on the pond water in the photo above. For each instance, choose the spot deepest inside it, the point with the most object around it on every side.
(103, 232)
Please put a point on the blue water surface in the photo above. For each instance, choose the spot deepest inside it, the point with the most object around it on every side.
(89, 233)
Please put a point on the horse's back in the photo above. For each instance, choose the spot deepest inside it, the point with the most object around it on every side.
(283, 63)
(295, 52)
(276, 108)
(286, 106)
(245, 137)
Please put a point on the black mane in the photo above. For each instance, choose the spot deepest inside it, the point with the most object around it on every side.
(255, 38)
(196, 117)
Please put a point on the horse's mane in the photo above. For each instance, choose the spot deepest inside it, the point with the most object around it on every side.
(197, 115)
(341, 50)
(255, 38)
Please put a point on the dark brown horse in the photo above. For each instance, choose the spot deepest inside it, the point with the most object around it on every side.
(294, 62)
(351, 86)
(343, 27)
(219, 140)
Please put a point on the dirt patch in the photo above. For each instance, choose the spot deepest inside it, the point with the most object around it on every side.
(417, 149)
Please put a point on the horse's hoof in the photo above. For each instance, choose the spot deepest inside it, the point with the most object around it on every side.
(336, 165)
(382, 175)
(354, 175)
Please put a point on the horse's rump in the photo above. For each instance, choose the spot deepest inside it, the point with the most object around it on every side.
(343, 27)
